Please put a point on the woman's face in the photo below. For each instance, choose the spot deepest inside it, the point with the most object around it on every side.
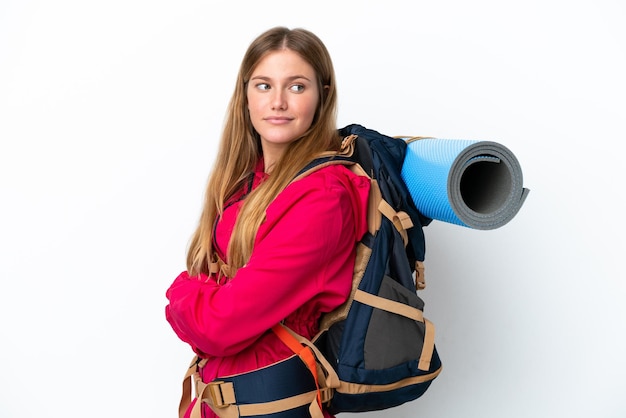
(282, 99)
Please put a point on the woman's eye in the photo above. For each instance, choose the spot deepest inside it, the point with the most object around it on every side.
(297, 88)
(263, 86)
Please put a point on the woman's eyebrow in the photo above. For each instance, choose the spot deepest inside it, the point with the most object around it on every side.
(290, 78)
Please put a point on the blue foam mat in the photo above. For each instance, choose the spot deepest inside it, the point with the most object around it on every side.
(476, 184)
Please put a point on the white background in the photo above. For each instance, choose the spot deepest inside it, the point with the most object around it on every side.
(109, 116)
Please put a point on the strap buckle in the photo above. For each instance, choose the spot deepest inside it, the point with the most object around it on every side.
(216, 395)
(326, 394)
(420, 278)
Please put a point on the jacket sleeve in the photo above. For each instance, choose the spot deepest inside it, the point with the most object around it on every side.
(304, 253)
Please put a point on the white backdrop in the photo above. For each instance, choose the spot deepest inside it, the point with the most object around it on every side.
(109, 115)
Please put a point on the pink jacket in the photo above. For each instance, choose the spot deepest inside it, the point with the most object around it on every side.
(301, 267)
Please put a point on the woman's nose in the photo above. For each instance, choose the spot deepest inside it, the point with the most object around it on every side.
(278, 100)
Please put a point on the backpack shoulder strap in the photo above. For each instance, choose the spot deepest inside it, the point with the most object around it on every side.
(345, 157)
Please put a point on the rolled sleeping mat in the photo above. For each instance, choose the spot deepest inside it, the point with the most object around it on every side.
(476, 184)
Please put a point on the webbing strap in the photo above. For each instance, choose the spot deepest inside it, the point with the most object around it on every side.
(401, 220)
(330, 375)
(356, 388)
(220, 268)
(306, 354)
(227, 407)
(428, 347)
(186, 396)
(373, 203)
(200, 388)
(389, 305)
(191, 375)
(279, 405)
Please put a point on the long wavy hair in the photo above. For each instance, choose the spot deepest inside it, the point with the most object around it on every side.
(240, 149)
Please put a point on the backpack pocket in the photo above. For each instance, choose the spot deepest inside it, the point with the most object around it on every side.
(392, 338)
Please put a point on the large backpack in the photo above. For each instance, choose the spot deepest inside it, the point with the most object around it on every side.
(378, 342)
(374, 352)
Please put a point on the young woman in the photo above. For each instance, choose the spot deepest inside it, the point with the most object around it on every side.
(268, 249)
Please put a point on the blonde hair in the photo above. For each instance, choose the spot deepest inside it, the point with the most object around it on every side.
(240, 150)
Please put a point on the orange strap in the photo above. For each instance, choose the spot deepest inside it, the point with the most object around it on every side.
(302, 351)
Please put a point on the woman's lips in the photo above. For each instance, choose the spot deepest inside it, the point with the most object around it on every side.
(278, 120)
